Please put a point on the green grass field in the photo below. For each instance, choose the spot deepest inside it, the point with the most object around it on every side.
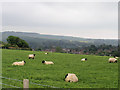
(94, 73)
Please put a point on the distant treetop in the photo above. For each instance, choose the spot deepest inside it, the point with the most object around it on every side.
(13, 40)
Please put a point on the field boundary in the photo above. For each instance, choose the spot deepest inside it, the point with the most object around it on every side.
(22, 81)
(10, 85)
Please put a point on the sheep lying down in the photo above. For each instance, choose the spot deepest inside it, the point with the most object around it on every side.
(70, 77)
(112, 60)
(47, 62)
(84, 59)
(46, 53)
(31, 56)
(116, 57)
(19, 63)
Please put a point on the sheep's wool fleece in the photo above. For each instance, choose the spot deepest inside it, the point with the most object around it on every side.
(82, 59)
(18, 63)
(49, 62)
(71, 78)
(31, 55)
(112, 59)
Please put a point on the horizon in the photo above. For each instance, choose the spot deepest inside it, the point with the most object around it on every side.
(56, 35)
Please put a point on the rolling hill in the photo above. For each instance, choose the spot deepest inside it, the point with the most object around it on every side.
(37, 40)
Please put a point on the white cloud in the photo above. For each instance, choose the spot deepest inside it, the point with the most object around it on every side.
(63, 18)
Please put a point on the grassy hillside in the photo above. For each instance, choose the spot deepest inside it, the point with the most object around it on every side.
(37, 40)
(94, 73)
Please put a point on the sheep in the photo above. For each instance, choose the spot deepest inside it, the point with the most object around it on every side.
(70, 77)
(46, 53)
(31, 56)
(47, 62)
(19, 63)
(112, 60)
(84, 59)
(116, 57)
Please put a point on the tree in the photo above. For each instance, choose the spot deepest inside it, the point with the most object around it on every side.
(92, 49)
(13, 40)
(6, 45)
(59, 49)
(23, 44)
(1, 42)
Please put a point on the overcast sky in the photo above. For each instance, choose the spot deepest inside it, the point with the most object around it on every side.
(78, 19)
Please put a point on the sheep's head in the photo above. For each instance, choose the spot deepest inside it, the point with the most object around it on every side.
(24, 61)
(115, 61)
(66, 75)
(34, 54)
(85, 58)
(109, 61)
(43, 61)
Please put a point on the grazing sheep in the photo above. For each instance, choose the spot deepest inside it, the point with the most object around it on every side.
(84, 59)
(46, 53)
(31, 56)
(19, 63)
(116, 57)
(112, 60)
(47, 62)
(70, 77)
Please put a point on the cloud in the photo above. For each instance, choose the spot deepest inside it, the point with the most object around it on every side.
(63, 18)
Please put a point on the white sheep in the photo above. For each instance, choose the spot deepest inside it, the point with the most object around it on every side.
(116, 57)
(84, 59)
(19, 63)
(31, 56)
(112, 60)
(46, 53)
(70, 77)
(47, 62)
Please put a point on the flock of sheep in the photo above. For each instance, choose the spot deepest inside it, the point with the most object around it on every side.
(70, 77)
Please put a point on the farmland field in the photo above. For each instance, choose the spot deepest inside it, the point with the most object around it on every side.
(96, 72)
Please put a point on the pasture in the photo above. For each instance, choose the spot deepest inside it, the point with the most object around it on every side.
(96, 72)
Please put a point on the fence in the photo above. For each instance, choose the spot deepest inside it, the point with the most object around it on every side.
(25, 83)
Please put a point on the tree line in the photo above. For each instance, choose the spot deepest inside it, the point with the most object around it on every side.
(103, 50)
(15, 42)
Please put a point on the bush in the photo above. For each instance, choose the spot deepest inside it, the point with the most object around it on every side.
(13, 40)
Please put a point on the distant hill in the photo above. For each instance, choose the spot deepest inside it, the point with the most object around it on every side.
(37, 40)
